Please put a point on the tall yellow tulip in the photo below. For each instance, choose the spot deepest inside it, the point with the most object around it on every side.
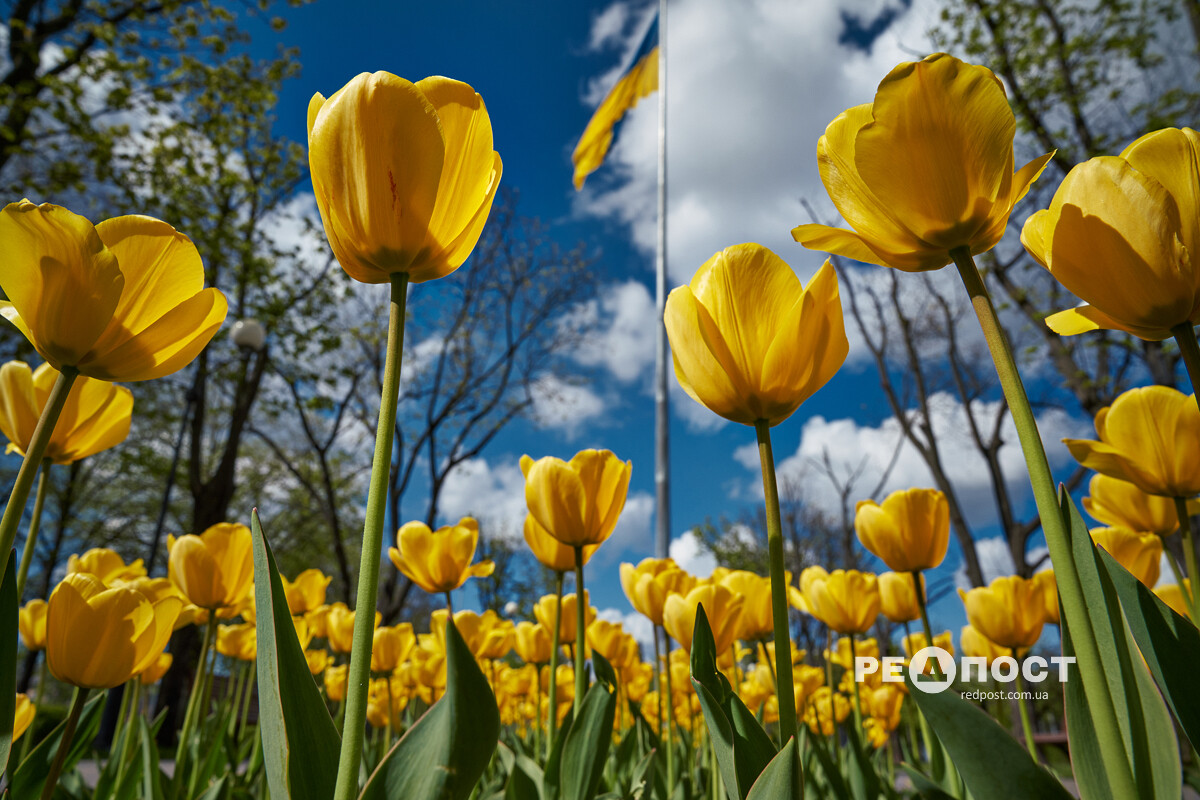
(1010, 610)
(952, 187)
(214, 570)
(31, 623)
(847, 601)
(404, 174)
(99, 637)
(96, 416)
(1140, 553)
(544, 610)
(648, 587)
(909, 531)
(25, 712)
(578, 501)
(532, 642)
(898, 596)
(1049, 594)
(439, 561)
(550, 552)
(1123, 233)
(1113, 501)
(105, 564)
(722, 607)
(307, 592)
(751, 343)
(391, 646)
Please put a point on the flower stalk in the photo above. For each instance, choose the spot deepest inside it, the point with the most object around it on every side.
(372, 544)
(64, 744)
(581, 682)
(39, 501)
(1189, 554)
(552, 704)
(1189, 348)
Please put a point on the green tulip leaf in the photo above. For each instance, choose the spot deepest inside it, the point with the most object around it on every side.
(8, 657)
(992, 763)
(782, 779)
(1146, 729)
(443, 755)
(30, 777)
(300, 743)
(586, 743)
(742, 746)
(1170, 644)
(925, 787)
(151, 773)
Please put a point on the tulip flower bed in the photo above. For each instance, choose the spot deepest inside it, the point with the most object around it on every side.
(304, 699)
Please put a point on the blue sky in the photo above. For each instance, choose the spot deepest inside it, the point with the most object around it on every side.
(751, 88)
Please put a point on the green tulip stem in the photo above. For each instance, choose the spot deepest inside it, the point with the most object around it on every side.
(581, 682)
(669, 716)
(552, 704)
(233, 700)
(33, 457)
(537, 690)
(784, 691)
(189, 717)
(39, 500)
(1189, 555)
(449, 606)
(43, 675)
(921, 606)
(64, 744)
(1185, 337)
(858, 722)
(1070, 587)
(245, 712)
(1026, 726)
(837, 742)
(133, 690)
(1177, 573)
(357, 677)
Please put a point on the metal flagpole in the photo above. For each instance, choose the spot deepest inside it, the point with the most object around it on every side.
(662, 457)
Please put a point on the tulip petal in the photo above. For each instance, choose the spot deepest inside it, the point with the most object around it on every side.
(698, 368)
(556, 497)
(1172, 158)
(19, 409)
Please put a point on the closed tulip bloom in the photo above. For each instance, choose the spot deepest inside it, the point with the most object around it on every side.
(339, 627)
(648, 589)
(915, 642)
(139, 308)
(532, 642)
(826, 708)
(238, 641)
(439, 561)
(391, 646)
(722, 607)
(1123, 233)
(31, 622)
(544, 611)
(497, 641)
(898, 596)
(25, 712)
(847, 601)
(96, 416)
(317, 660)
(578, 501)
(748, 341)
(550, 552)
(156, 589)
(909, 531)
(1116, 502)
(1010, 610)
(404, 174)
(755, 591)
(99, 637)
(105, 564)
(214, 570)
(1140, 553)
(153, 673)
(608, 639)
(1050, 594)
(335, 682)
(975, 645)
(307, 591)
(318, 620)
(924, 169)
(1173, 596)
(1147, 437)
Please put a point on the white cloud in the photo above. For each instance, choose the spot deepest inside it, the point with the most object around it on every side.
(691, 556)
(564, 406)
(995, 561)
(696, 416)
(608, 26)
(636, 625)
(623, 320)
(493, 494)
(633, 531)
(741, 160)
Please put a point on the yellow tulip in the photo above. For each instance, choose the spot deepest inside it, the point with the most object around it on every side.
(915, 642)
(924, 169)
(335, 682)
(544, 611)
(748, 341)
(1050, 594)
(1147, 437)
(976, 645)
(722, 607)
(1140, 553)
(909, 531)
(651, 582)
(532, 642)
(391, 646)
(139, 310)
(317, 660)
(439, 561)
(156, 589)
(318, 619)
(105, 564)
(885, 703)
(550, 552)
(96, 416)
(153, 673)
(610, 640)
(843, 654)
(497, 640)
(578, 501)
(1173, 596)
(847, 601)
(25, 712)
(755, 591)
(99, 637)
(214, 570)
(307, 591)
(339, 627)
(31, 622)
(238, 641)
(825, 709)
(1010, 610)
(898, 596)
(1116, 502)
(404, 174)
(1123, 234)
